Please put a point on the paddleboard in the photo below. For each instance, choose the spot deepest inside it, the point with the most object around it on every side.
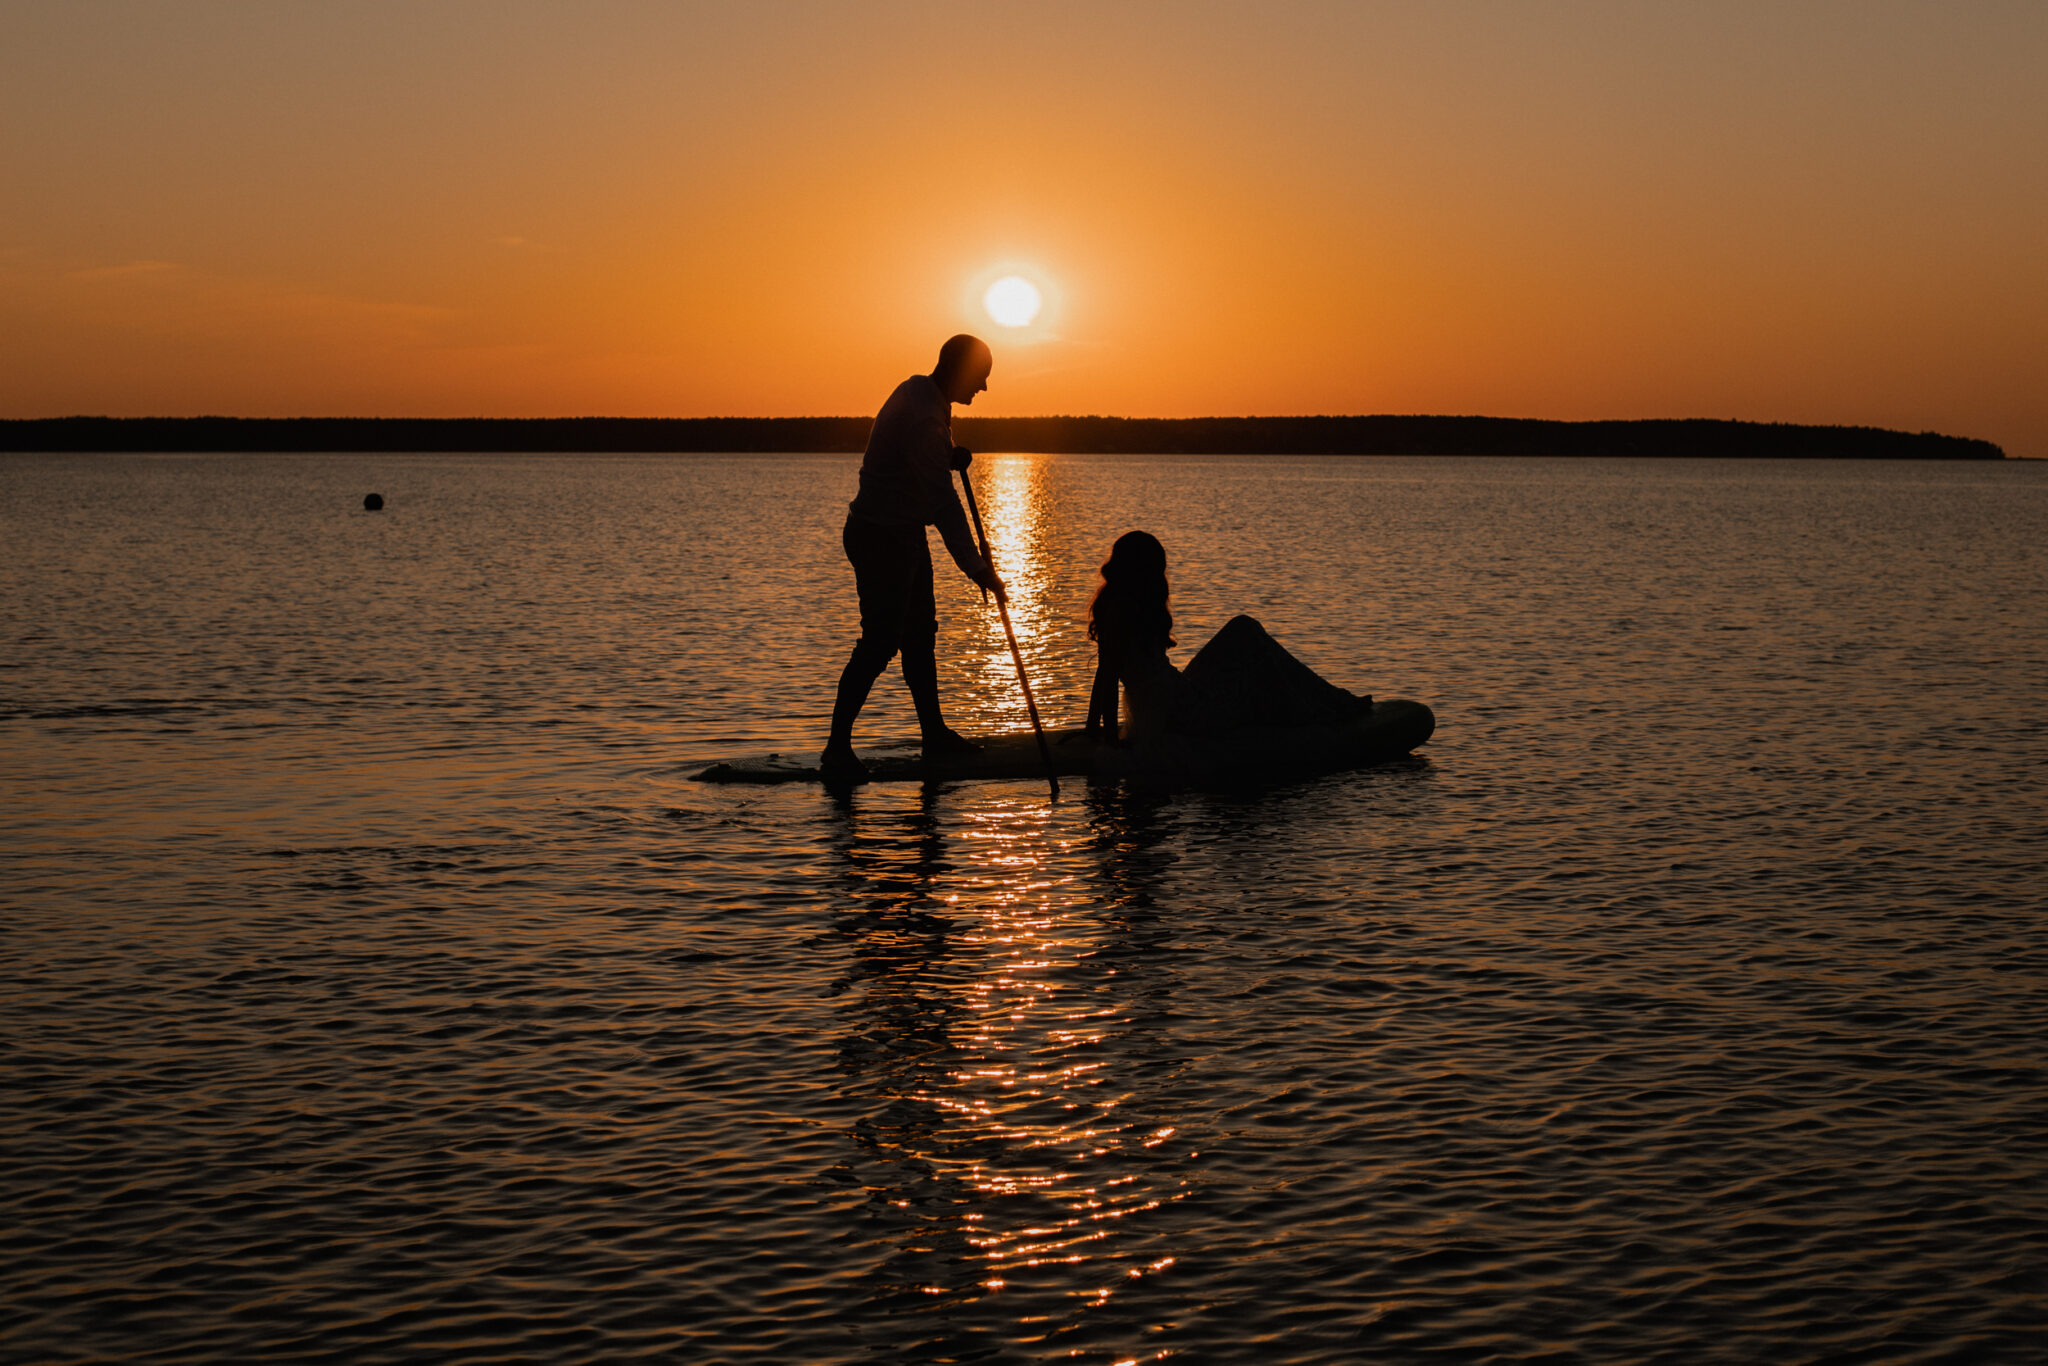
(1391, 729)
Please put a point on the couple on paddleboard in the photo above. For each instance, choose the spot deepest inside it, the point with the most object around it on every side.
(1242, 677)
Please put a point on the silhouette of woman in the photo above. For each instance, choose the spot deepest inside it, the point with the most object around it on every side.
(1242, 677)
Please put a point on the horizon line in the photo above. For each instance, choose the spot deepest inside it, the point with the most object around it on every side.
(1317, 434)
(974, 417)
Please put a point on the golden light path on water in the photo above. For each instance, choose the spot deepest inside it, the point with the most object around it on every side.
(1008, 489)
(1032, 1111)
(1056, 1163)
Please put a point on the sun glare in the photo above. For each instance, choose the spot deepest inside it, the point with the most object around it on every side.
(1012, 301)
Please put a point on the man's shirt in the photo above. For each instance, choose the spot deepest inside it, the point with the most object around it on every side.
(906, 476)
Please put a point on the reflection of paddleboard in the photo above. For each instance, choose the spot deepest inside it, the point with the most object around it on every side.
(1390, 730)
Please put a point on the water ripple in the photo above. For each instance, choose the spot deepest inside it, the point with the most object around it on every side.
(391, 994)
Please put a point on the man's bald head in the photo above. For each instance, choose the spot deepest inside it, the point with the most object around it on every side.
(963, 368)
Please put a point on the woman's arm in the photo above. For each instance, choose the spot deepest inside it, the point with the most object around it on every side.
(1102, 699)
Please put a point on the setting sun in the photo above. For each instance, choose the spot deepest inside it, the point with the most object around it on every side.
(1012, 301)
(1741, 211)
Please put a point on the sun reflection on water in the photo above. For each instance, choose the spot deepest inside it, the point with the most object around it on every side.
(1006, 1050)
(1011, 494)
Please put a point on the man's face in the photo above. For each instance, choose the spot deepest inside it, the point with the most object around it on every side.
(972, 379)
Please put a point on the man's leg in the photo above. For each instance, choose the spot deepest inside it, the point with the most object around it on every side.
(921, 658)
(856, 680)
(878, 578)
(921, 675)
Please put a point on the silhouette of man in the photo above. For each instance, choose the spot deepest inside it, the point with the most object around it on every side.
(906, 485)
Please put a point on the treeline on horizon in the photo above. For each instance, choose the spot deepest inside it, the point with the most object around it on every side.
(1384, 435)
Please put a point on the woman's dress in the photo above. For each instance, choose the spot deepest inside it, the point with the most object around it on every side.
(1243, 677)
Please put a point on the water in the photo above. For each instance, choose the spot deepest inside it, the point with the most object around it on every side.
(377, 986)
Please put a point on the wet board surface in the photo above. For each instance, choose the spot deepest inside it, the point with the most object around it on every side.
(1392, 729)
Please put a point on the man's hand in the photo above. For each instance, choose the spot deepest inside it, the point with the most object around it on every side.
(962, 458)
(988, 580)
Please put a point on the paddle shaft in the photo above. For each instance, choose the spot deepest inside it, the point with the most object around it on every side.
(1003, 608)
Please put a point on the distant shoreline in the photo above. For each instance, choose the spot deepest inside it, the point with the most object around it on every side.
(1378, 435)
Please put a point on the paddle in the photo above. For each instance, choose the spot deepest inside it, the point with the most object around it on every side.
(1037, 728)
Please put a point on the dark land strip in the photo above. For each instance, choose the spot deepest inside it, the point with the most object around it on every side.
(1099, 435)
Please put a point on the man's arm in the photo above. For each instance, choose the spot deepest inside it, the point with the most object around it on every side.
(932, 460)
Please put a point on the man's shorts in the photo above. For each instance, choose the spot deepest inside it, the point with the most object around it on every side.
(892, 569)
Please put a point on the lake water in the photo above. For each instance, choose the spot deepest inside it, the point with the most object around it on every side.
(376, 985)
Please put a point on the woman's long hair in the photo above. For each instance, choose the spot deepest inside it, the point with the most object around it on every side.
(1130, 606)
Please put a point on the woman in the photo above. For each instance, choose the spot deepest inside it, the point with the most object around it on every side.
(1241, 678)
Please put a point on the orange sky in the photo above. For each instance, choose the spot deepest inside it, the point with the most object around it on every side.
(1807, 212)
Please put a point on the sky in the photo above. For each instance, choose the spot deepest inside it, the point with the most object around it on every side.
(1784, 211)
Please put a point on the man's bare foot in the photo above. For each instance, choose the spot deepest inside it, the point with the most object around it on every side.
(839, 764)
(946, 740)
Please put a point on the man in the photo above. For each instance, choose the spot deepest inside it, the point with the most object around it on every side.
(906, 485)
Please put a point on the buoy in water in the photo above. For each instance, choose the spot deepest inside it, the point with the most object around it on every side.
(373, 502)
